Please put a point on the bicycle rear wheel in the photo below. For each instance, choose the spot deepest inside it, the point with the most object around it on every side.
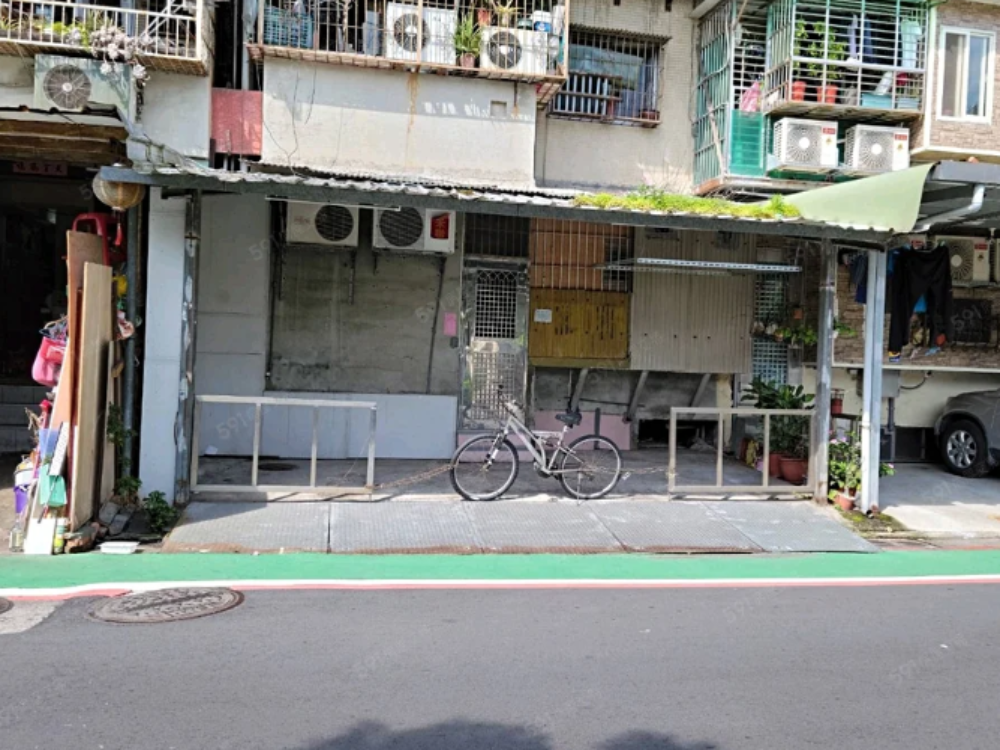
(484, 468)
(591, 468)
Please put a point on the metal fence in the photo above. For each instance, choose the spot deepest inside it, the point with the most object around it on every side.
(767, 487)
(258, 403)
(167, 37)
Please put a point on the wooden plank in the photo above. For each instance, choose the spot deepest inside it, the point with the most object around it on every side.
(95, 339)
(583, 325)
(81, 248)
(63, 129)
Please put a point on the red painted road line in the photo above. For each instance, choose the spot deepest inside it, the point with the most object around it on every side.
(118, 589)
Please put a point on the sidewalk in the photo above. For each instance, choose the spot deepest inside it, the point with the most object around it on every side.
(455, 527)
(929, 501)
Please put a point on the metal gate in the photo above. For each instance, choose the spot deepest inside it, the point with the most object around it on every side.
(495, 304)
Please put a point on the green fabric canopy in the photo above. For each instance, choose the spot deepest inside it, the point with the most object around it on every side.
(887, 202)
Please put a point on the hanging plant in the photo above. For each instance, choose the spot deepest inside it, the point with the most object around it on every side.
(118, 51)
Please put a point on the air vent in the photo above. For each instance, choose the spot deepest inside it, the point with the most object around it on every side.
(970, 259)
(871, 150)
(70, 84)
(804, 146)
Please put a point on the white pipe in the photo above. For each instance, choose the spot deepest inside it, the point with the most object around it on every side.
(978, 195)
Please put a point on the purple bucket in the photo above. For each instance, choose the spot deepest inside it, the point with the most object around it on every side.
(20, 499)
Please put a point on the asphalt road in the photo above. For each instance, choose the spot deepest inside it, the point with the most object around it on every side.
(888, 667)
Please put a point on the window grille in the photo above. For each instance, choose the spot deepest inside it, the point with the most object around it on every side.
(769, 359)
(612, 78)
(496, 305)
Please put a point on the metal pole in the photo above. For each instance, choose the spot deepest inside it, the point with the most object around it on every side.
(872, 390)
(767, 450)
(370, 480)
(131, 313)
(672, 462)
(315, 448)
(718, 452)
(255, 466)
(820, 457)
(189, 310)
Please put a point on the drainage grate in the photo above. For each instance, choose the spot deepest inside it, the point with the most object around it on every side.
(5, 605)
(166, 605)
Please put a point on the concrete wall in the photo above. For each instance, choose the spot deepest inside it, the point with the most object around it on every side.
(346, 119)
(598, 155)
(380, 341)
(177, 111)
(161, 366)
(919, 407)
(233, 309)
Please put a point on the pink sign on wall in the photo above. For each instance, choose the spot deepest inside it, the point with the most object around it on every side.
(450, 324)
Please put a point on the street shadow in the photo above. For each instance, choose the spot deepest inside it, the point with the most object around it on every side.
(470, 735)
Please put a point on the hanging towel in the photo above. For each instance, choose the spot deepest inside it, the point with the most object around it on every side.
(910, 33)
(852, 39)
(869, 48)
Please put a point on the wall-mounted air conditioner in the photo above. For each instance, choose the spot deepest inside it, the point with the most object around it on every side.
(514, 50)
(804, 146)
(312, 224)
(415, 230)
(73, 84)
(870, 149)
(970, 259)
(428, 38)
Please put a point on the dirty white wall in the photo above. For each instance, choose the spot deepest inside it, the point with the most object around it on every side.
(161, 364)
(177, 111)
(346, 119)
(919, 407)
(599, 155)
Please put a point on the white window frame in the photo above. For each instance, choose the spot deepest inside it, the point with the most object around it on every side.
(941, 56)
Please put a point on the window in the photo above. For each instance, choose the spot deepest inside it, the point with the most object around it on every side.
(967, 78)
(612, 78)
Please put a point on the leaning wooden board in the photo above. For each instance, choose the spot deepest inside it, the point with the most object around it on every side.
(91, 392)
(81, 248)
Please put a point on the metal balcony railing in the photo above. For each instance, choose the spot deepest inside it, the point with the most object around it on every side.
(521, 40)
(171, 32)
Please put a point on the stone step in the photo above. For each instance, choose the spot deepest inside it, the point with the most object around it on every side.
(15, 439)
(28, 395)
(12, 415)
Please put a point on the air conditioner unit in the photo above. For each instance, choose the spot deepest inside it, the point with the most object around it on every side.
(428, 38)
(404, 30)
(73, 84)
(312, 224)
(970, 259)
(415, 231)
(871, 149)
(514, 51)
(439, 44)
(804, 145)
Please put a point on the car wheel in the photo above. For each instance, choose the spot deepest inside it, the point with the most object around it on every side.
(963, 446)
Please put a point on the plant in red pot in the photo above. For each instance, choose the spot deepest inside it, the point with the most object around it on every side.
(844, 472)
(785, 430)
(467, 40)
(794, 462)
(798, 85)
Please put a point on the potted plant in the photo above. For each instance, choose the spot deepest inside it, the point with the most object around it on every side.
(505, 10)
(844, 472)
(785, 431)
(795, 442)
(798, 93)
(468, 41)
(837, 401)
(835, 52)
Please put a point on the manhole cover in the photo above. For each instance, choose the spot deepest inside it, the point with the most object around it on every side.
(275, 466)
(5, 605)
(167, 605)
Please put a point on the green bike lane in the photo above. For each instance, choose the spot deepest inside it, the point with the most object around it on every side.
(95, 574)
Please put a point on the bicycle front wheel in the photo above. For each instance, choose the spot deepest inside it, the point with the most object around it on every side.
(484, 468)
(590, 468)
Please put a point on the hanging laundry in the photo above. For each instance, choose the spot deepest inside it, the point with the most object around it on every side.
(750, 101)
(916, 275)
(852, 41)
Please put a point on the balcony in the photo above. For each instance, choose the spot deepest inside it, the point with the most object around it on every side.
(172, 31)
(832, 59)
(512, 40)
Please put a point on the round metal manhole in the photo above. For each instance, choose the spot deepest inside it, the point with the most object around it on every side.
(274, 466)
(5, 605)
(166, 605)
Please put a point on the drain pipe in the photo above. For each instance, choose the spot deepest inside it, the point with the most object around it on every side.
(978, 195)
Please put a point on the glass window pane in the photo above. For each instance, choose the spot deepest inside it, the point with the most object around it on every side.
(951, 86)
(975, 99)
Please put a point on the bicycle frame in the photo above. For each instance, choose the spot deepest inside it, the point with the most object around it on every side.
(534, 442)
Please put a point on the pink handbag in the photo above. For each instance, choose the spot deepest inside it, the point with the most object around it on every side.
(44, 371)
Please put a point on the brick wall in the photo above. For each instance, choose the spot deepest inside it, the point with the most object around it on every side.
(946, 134)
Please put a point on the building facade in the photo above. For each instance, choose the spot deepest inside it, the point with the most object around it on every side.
(425, 311)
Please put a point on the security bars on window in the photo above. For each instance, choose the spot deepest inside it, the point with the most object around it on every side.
(612, 78)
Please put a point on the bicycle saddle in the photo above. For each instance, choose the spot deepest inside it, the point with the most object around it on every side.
(570, 419)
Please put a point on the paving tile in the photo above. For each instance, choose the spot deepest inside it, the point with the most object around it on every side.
(551, 527)
(670, 526)
(263, 527)
(401, 527)
(790, 527)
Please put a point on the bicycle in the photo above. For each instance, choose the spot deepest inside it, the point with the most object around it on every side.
(583, 464)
